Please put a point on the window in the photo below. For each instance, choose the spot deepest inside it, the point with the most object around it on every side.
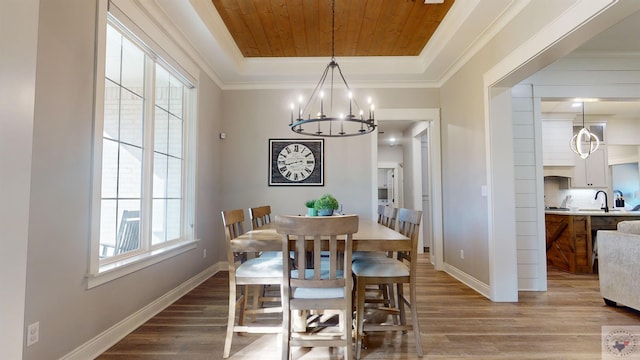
(143, 192)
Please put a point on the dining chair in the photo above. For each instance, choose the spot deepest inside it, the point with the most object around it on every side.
(380, 213)
(382, 293)
(389, 217)
(318, 284)
(389, 220)
(396, 271)
(260, 216)
(244, 271)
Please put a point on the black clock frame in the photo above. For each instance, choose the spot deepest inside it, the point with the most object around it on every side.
(317, 176)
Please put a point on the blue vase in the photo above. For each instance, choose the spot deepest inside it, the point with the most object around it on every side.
(325, 212)
(312, 212)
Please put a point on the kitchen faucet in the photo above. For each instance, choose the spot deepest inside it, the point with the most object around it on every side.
(606, 202)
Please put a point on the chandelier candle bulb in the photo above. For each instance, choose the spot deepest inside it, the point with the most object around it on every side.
(292, 107)
(300, 107)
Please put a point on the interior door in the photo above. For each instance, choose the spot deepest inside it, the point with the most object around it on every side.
(391, 189)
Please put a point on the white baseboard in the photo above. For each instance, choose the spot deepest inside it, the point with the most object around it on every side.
(477, 285)
(96, 346)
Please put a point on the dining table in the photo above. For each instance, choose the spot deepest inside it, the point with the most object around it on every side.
(371, 236)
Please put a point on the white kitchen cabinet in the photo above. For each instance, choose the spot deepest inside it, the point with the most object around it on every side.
(556, 134)
(592, 171)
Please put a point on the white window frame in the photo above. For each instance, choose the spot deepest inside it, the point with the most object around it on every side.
(101, 272)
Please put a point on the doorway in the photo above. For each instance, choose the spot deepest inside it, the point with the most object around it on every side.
(390, 192)
(416, 168)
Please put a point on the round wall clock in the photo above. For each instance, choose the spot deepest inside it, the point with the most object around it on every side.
(296, 162)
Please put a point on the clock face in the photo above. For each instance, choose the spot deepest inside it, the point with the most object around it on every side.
(296, 162)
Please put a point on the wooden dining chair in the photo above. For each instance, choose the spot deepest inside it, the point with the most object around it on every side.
(380, 213)
(243, 272)
(396, 271)
(389, 217)
(321, 282)
(382, 293)
(260, 216)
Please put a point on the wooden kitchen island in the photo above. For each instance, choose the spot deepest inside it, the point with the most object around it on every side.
(571, 237)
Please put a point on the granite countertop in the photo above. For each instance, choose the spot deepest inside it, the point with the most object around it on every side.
(592, 212)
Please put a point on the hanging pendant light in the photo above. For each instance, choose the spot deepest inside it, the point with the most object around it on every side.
(584, 143)
(337, 115)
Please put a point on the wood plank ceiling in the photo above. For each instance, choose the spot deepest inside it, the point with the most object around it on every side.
(302, 28)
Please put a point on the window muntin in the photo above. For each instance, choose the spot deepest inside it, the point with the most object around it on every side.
(143, 195)
(122, 143)
(168, 157)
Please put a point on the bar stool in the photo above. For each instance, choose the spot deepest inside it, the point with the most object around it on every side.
(317, 285)
(244, 272)
(391, 271)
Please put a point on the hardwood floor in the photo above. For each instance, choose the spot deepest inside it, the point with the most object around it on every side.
(456, 323)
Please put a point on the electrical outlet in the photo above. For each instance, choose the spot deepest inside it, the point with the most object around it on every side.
(204, 253)
(461, 254)
(33, 333)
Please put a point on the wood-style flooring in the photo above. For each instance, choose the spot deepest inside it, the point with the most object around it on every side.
(456, 323)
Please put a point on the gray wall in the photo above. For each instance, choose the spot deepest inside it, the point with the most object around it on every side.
(58, 244)
(463, 173)
(17, 96)
(252, 117)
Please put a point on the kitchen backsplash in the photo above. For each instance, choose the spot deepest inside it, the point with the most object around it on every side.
(581, 198)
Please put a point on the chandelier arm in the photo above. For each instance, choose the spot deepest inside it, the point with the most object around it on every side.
(347, 86)
(319, 85)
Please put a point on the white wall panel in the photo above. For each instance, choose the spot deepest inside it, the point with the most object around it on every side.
(527, 242)
(531, 269)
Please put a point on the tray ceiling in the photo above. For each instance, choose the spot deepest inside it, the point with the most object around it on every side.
(294, 28)
(286, 43)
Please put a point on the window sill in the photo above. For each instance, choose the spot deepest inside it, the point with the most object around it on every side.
(130, 265)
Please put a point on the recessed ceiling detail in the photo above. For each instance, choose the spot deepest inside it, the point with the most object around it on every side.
(296, 28)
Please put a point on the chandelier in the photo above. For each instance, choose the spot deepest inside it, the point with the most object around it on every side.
(336, 113)
(584, 143)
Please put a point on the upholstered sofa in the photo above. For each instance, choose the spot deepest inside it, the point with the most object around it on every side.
(619, 264)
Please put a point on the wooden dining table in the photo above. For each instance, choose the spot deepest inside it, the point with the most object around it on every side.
(371, 236)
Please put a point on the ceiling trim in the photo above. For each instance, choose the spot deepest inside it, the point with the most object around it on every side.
(467, 28)
(514, 8)
(174, 34)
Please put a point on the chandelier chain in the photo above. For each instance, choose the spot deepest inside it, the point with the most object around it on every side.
(333, 29)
